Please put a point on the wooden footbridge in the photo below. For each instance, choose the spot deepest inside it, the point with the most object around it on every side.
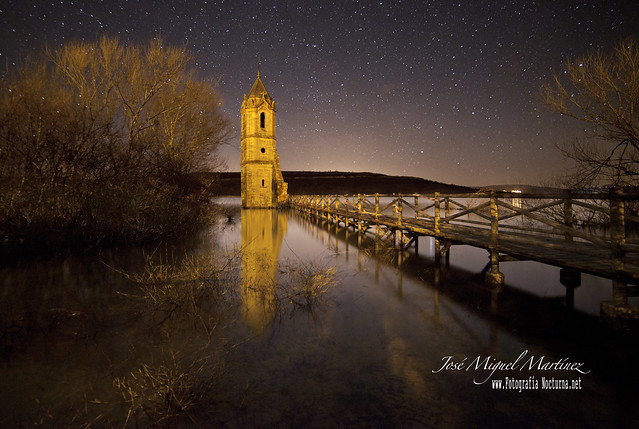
(579, 232)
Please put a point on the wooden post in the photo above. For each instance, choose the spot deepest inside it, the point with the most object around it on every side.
(327, 208)
(376, 217)
(447, 208)
(569, 277)
(436, 226)
(359, 213)
(618, 241)
(399, 221)
(568, 217)
(347, 222)
(416, 237)
(494, 277)
(395, 210)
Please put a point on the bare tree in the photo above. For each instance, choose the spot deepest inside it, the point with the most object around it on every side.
(101, 135)
(601, 90)
(146, 102)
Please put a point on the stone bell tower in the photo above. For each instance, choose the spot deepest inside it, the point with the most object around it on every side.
(262, 182)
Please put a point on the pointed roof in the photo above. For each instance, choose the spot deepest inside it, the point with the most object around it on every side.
(258, 88)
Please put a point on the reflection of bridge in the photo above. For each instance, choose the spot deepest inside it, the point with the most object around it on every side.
(551, 228)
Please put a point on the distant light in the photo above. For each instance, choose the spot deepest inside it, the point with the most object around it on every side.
(516, 191)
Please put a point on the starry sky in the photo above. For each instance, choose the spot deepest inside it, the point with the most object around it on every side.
(444, 90)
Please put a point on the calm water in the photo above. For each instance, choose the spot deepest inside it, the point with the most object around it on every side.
(84, 345)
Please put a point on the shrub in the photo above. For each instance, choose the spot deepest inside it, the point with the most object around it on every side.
(98, 140)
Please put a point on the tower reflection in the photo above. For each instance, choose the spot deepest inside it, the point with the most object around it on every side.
(262, 234)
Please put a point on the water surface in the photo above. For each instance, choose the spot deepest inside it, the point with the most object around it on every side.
(369, 353)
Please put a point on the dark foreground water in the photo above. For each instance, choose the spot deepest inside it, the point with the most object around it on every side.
(387, 339)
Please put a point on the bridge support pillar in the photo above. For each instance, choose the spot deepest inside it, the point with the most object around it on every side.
(438, 254)
(571, 279)
(442, 250)
(493, 277)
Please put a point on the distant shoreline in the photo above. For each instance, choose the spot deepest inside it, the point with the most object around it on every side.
(334, 182)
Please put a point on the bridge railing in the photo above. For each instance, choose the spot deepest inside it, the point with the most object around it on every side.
(602, 219)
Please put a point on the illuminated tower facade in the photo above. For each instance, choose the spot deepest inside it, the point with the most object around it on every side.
(262, 183)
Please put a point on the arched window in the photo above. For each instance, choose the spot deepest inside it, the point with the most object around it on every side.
(262, 179)
(262, 119)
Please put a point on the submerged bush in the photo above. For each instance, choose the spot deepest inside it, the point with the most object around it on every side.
(190, 306)
(187, 307)
(172, 387)
(304, 286)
